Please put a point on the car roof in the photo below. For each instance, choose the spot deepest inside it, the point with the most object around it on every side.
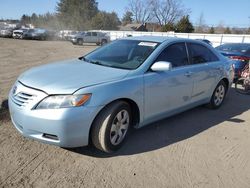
(158, 39)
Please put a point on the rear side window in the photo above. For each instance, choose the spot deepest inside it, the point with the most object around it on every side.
(200, 54)
(175, 54)
(94, 34)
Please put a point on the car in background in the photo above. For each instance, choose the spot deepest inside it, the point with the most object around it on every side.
(77, 38)
(128, 83)
(99, 38)
(36, 34)
(6, 32)
(18, 34)
(76, 35)
(71, 35)
(239, 52)
(65, 34)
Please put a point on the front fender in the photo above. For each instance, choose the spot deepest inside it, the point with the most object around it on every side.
(131, 88)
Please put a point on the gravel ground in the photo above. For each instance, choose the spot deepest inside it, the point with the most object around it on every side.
(197, 148)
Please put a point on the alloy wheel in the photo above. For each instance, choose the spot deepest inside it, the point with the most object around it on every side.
(119, 127)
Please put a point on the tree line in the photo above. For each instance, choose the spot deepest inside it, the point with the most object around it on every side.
(84, 15)
(75, 15)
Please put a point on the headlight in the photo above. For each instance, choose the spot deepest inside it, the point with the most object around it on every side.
(63, 101)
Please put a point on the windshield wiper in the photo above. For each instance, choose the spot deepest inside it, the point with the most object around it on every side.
(90, 61)
(97, 63)
(84, 59)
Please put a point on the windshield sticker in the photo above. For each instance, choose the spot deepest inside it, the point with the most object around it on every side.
(150, 44)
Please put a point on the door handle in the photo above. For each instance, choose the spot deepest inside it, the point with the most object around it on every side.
(188, 74)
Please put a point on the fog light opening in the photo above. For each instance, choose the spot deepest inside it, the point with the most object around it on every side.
(50, 136)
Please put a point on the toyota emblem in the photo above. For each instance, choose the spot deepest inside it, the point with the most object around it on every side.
(14, 90)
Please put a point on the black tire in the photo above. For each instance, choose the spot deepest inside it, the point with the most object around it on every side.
(98, 43)
(101, 134)
(103, 42)
(242, 86)
(79, 41)
(216, 101)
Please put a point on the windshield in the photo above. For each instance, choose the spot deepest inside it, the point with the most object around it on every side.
(242, 48)
(124, 54)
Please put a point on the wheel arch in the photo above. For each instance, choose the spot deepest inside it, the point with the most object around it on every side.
(134, 110)
(226, 81)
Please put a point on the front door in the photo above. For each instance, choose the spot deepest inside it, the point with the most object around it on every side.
(166, 92)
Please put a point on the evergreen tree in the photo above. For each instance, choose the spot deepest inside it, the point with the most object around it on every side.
(105, 21)
(248, 31)
(168, 27)
(25, 19)
(211, 30)
(127, 18)
(76, 14)
(227, 31)
(184, 25)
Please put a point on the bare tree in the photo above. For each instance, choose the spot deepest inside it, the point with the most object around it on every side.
(221, 27)
(167, 11)
(140, 10)
(200, 24)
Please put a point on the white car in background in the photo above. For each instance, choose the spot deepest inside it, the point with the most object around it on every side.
(18, 34)
(6, 32)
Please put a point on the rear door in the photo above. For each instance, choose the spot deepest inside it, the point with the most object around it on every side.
(87, 37)
(95, 37)
(205, 69)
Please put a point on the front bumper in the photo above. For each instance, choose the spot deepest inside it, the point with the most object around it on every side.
(73, 40)
(66, 127)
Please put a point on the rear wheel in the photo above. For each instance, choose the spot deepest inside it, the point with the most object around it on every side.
(242, 85)
(218, 95)
(111, 127)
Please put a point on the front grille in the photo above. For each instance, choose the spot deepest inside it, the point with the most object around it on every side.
(24, 96)
(22, 99)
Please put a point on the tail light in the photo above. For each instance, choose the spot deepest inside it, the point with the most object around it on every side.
(240, 58)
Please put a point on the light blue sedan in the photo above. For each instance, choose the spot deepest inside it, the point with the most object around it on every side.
(128, 83)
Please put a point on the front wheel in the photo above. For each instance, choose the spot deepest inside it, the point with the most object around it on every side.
(242, 85)
(111, 127)
(80, 42)
(218, 95)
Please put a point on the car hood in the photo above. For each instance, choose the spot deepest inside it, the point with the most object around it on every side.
(68, 76)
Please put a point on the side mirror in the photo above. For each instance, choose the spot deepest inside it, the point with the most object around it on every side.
(161, 66)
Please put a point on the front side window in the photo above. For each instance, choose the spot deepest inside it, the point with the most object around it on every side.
(94, 34)
(124, 54)
(175, 54)
(200, 54)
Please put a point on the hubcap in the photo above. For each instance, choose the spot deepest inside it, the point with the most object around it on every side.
(119, 127)
(219, 95)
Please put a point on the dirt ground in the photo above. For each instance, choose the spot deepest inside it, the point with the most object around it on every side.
(198, 148)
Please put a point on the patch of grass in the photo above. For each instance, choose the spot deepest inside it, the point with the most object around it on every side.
(4, 111)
